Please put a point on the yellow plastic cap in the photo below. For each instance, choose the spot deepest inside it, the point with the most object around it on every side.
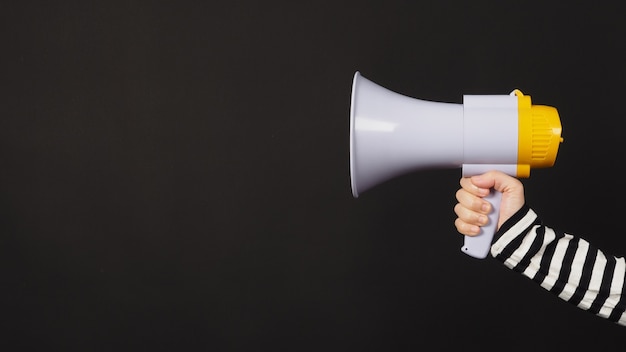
(539, 135)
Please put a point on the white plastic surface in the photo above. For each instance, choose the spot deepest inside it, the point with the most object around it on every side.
(392, 134)
(490, 130)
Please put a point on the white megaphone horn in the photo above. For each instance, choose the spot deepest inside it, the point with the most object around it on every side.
(392, 135)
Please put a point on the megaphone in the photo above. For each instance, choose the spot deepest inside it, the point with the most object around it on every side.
(392, 134)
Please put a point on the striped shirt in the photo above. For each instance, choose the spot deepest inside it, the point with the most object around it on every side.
(566, 265)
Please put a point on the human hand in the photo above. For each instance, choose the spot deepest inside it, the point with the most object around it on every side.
(472, 210)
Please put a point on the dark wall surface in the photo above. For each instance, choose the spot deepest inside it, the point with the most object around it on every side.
(175, 174)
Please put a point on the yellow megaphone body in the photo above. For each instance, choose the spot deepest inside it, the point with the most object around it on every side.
(392, 134)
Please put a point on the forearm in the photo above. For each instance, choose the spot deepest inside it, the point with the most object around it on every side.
(565, 265)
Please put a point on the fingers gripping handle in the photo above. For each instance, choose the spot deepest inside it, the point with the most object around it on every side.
(478, 246)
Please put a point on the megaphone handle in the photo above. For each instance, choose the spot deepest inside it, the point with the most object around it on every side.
(478, 246)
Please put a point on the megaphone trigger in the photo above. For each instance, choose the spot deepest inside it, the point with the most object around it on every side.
(478, 246)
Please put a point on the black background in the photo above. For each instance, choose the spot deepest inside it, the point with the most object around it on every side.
(175, 174)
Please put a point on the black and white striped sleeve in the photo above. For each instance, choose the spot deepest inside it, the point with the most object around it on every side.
(566, 265)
